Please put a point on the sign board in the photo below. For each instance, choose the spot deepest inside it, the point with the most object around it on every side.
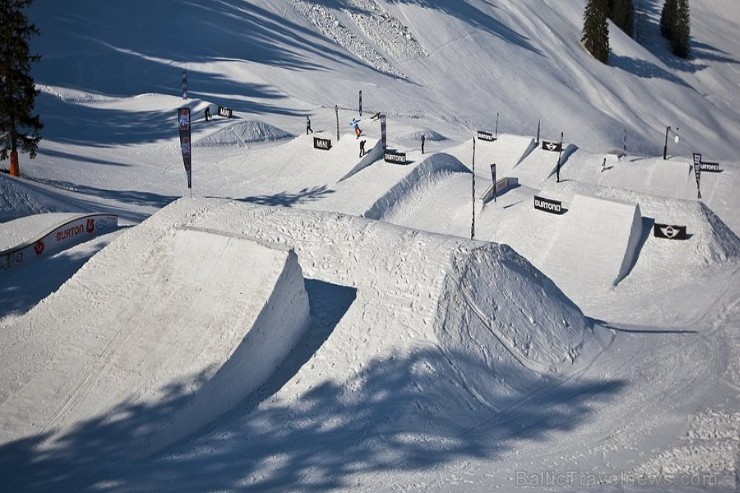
(59, 238)
(225, 112)
(670, 232)
(552, 146)
(394, 157)
(711, 167)
(486, 136)
(548, 205)
(319, 143)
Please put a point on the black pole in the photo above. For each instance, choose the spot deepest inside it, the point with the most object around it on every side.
(497, 125)
(665, 146)
(472, 224)
(560, 155)
(336, 110)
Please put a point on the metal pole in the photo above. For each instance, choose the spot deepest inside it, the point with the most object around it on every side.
(665, 146)
(472, 225)
(497, 125)
(336, 110)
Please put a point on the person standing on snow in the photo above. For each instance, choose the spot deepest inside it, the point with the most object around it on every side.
(423, 138)
(208, 113)
(308, 125)
(362, 147)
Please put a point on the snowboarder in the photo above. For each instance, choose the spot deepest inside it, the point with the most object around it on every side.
(362, 147)
(308, 125)
(356, 125)
(208, 113)
(423, 138)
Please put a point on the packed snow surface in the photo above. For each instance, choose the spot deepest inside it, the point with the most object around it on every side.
(312, 319)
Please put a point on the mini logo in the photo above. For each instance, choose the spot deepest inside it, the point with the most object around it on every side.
(19, 257)
(39, 247)
(670, 231)
(90, 225)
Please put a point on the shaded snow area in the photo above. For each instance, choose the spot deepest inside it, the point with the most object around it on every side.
(332, 311)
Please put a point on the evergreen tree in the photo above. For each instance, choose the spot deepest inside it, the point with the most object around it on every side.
(18, 127)
(681, 29)
(667, 18)
(596, 29)
(622, 12)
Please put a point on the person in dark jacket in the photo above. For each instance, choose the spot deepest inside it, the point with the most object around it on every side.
(208, 113)
(308, 125)
(362, 147)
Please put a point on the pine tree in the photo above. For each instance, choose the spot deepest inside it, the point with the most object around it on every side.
(667, 18)
(17, 89)
(596, 29)
(681, 29)
(622, 12)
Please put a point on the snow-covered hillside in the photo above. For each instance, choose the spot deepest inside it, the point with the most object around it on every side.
(317, 319)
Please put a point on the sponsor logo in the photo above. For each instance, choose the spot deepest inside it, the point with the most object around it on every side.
(395, 157)
(319, 143)
(19, 257)
(669, 231)
(90, 225)
(707, 166)
(39, 247)
(70, 232)
(547, 205)
(486, 136)
(225, 112)
(552, 146)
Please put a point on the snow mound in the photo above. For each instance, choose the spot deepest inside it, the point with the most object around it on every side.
(17, 200)
(205, 316)
(241, 133)
(428, 134)
(498, 307)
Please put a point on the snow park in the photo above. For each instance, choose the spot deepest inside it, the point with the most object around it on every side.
(370, 245)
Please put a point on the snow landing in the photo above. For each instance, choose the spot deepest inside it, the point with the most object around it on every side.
(187, 312)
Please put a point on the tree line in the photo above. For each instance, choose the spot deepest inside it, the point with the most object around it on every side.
(674, 25)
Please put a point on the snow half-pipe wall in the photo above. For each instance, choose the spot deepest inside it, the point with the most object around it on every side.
(186, 317)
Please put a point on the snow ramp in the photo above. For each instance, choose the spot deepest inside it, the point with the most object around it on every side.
(201, 315)
(597, 245)
(478, 323)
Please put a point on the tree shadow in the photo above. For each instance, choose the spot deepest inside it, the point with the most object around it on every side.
(290, 199)
(406, 411)
(643, 69)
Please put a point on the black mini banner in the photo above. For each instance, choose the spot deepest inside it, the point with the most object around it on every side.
(552, 146)
(319, 143)
(225, 112)
(670, 232)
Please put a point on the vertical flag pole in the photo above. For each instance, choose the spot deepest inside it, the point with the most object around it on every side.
(472, 225)
(497, 125)
(336, 110)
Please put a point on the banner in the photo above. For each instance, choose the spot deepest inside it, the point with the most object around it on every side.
(711, 167)
(547, 205)
(488, 136)
(697, 172)
(382, 131)
(225, 112)
(360, 102)
(183, 121)
(670, 232)
(184, 79)
(319, 143)
(58, 238)
(552, 146)
(493, 177)
(394, 157)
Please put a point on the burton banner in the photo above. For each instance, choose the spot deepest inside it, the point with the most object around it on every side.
(183, 121)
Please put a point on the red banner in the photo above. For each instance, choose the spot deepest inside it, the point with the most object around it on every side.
(183, 121)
